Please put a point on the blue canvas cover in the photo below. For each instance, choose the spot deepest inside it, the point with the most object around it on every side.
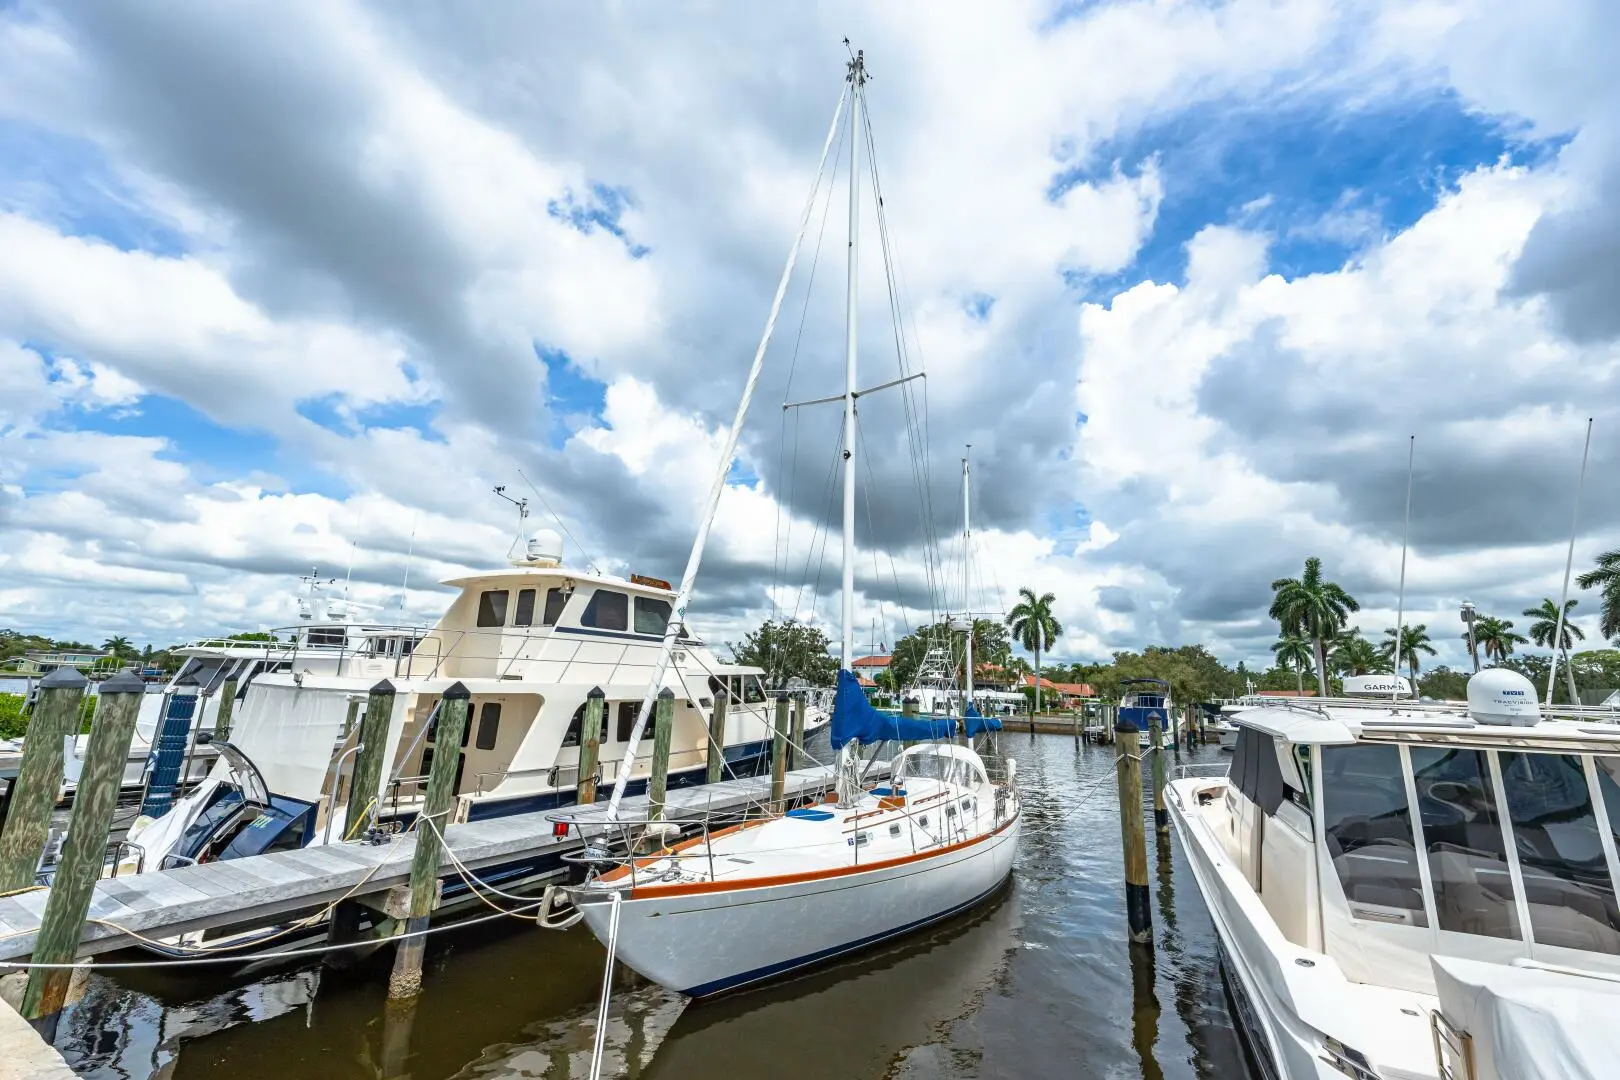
(853, 717)
(977, 723)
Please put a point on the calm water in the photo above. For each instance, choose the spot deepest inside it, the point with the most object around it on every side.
(1038, 982)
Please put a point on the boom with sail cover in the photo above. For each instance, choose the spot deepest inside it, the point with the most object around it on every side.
(977, 723)
(854, 718)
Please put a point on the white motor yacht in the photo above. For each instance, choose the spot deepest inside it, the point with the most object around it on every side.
(530, 641)
(1404, 890)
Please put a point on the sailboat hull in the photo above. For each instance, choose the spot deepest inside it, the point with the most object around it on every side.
(706, 943)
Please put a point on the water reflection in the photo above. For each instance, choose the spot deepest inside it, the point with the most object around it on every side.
(1034, 983)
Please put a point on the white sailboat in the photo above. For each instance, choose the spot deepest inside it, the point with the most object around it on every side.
(710, 915)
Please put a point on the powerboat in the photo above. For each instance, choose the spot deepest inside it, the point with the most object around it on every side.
(531, 641)
(1146, 703)
(1416, 891)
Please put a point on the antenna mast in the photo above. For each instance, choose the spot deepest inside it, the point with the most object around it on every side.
(1400, 597)
(1569, 563)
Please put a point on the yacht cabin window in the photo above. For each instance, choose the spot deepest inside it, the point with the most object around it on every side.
(1474, 891)
(607, 610)
(752, 689)
(576, 726)
(627, 719)
(556, 600)
(1367, 822)
(492, 607)
(1564, 872)
(325, 636)
(525, 608)
(489, 726)
(652, 615)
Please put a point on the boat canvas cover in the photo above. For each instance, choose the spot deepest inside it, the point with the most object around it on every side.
(978, 723)
(1532, 1023)
(853, 717)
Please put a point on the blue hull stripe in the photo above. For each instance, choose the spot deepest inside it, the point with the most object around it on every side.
(720, 986)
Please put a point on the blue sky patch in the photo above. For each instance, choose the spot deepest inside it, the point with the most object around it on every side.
(572, 394)
(1322, 179)
(96, 203)
(330, 413)
(602, 209)
(978, 305)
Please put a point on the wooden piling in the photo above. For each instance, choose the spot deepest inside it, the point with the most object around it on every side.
(83, 853)
(717, 736)
(39, 780)
(222, 715)
(1128, 769)
(779, 750)
(796, 752)
(368, 760)
(1161, 816)
(590, 746)
(405, 980)
(663, 728)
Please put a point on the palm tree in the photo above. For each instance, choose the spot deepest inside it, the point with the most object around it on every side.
(1607, 578)
(1497, 637)
(1414, 639)
(1310, 607)
(1545, 628)
(1355, 655)
(118, 646)
(1033, 624)
(1294, 652)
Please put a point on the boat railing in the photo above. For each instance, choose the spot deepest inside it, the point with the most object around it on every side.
(1319, 706)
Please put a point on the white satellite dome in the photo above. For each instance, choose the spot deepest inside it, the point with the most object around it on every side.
(545, 548)
(1504, 698)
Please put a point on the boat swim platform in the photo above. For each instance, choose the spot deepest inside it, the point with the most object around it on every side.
(260, 889)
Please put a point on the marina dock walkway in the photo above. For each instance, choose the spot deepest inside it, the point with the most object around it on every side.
(260, 889)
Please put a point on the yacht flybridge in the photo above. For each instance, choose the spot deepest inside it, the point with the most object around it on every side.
(530, 641)
(1405, 890)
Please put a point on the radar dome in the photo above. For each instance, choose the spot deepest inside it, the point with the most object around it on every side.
(1504, 698)
(544, 548)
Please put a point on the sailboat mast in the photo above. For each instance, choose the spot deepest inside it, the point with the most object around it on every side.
(967, 601)
(857, 81)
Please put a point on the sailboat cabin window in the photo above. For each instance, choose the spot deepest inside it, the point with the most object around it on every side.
(607, 610)
(652, 615)
(525, 608)
(556, 600)
(492, 607)
(489, 726)
(1367, 821)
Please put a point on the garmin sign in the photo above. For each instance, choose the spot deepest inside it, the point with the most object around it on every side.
(1383, 685)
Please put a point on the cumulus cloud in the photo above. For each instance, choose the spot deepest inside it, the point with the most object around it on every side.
(277, 291)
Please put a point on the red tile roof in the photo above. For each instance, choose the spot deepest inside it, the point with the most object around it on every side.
(872, 662)
(864, 681)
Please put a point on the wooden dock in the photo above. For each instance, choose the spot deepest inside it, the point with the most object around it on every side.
(260, 890)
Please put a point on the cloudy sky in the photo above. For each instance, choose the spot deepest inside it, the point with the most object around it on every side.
(294, 284)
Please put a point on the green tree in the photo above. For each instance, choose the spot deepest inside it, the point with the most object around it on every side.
(1294, 652)
(1035, 627)
(787, 649)
(1414, 640)
(1606, 578)
(1312, 607)
(1355, 655)
(1443, 684)
(1497, 637)
(1544, 627)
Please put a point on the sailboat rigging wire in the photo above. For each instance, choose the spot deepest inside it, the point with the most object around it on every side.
(783, 553)
(590, 563)
(607, 988)
(1569, 564)
(1400, 596)
(683, 596)
(900, 596)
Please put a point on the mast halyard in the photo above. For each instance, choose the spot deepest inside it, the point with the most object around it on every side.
(967, 596)
(857, 82)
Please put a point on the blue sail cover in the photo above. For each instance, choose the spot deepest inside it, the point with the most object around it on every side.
(854, 718)
(977, 722)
